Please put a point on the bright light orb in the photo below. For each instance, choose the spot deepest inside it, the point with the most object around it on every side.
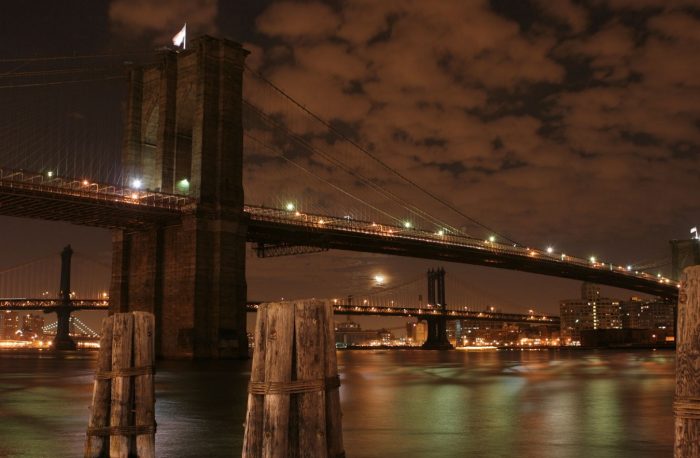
(136, 183)
(290, 207)
(407, 224)
(49, 174)
(379, 279)
(440, 232)
(550, 250)
(492, 238)
(593, 259)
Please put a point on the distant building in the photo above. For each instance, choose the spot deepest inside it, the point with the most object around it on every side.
(385, 336)
(417, 332)
(32, 326)
(9, 325)
(657, 315)
(349, 333)
(589, 312)
(454, 332)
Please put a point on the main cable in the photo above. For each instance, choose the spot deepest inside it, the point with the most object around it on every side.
(376, 159)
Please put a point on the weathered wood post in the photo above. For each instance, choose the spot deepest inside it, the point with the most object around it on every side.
(687, 403)
(294, 404)
(144, 388)
(96, 445)
(122, 340)
(122, 419)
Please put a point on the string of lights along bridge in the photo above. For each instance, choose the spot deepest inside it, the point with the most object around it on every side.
(112, 206)
(31, 287)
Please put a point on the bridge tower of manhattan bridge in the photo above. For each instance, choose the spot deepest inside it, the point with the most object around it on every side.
(437, 325)
(183, 134)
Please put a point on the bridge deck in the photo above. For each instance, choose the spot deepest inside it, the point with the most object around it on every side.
(274, 226)
(36, 195)
(48, 305)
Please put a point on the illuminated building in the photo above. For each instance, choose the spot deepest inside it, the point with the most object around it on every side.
(657, 315)
(454, 331)
(589, 312)
(349, 333)
(9, 325)
(33, 325)
(417, 332)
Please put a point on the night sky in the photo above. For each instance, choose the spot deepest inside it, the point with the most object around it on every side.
(574, 124)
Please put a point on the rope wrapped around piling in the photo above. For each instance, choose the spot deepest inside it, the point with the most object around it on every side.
(126, 372)
(687, 407)
(294, 387)
(122, 430)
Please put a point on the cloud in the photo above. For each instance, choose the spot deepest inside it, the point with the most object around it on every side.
(294, 20)
(566, 125)
(572, 15)
(161, 19)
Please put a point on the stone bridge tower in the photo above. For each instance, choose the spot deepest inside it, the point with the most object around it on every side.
(183, 135)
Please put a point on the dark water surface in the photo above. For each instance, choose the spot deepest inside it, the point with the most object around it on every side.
(396, 404)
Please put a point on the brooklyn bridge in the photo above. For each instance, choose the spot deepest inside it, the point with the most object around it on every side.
(174, 199)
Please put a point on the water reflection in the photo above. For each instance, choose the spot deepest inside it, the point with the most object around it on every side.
(396, 404)
(502, 404)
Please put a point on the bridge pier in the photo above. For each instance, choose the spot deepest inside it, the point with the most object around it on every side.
(437, 334)
(184, 135)
(437, 325)
(63, 341)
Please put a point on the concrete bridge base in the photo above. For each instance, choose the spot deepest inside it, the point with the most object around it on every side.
(437, 334)
(63, 340)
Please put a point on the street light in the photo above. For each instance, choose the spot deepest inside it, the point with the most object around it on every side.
(290, 206)
(136, 183)
(183, 185)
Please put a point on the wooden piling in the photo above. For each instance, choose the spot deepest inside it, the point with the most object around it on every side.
(687, 402)
(309, 324)
(97, 445)
(294, 384)
(122, 341)
(278, 371)
(253, 438)
(122, 420)
(334, 427)
(144, 392)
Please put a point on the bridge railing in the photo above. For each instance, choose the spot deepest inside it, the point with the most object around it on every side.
(441, 238)
(48, 182)
(29, 303)
(427, 311)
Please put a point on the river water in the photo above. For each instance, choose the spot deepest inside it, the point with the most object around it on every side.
(558, 404)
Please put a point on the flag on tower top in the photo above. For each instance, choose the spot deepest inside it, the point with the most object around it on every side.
(181, 38)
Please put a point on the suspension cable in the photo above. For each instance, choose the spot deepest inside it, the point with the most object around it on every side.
(375, 158)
